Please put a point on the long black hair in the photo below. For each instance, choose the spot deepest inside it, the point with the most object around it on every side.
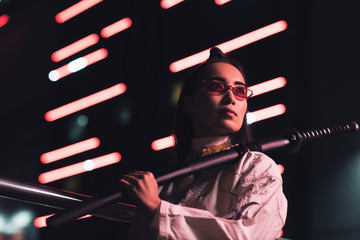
(183, 125)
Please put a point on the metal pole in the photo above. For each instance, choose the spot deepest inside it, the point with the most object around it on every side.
(60, 199)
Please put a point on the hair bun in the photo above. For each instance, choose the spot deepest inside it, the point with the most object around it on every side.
(216, 53)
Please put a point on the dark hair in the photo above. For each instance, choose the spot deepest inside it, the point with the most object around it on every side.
(183, 126)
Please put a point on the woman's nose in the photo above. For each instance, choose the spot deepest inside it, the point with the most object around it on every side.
(229, 97)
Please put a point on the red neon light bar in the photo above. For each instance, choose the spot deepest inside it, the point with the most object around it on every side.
(221, 2)
(265, 113)
(75, 47)
(281, 233)
(4, 19)
(40, 222)
(231, 45)
(78, 64)
(116, 27)
(166, 4)
(58, 73)
(281, 168)
(70, 150)
(268, 86)
(78, 168)
(85, 102)
(75, 9)
(166, 142)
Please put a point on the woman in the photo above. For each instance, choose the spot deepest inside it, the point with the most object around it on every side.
(241, 201)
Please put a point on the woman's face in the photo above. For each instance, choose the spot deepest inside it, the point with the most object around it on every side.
(217, 114)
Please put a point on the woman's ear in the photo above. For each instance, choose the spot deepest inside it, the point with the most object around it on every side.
(187, 106)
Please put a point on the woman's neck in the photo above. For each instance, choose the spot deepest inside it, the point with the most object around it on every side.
(200, 143)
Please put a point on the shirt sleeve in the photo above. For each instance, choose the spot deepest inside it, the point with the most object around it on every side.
(259, 212)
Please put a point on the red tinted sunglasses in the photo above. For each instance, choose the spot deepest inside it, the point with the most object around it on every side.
(218, 87)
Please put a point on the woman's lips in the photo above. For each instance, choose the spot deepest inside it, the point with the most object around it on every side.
(228, 112)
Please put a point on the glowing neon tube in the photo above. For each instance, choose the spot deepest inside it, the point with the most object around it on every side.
(281, 168)
(231, 45)
(265, 113)
(85, 102)
(78, 64)
(4, 19)
(40, 222)
(79, 168)
(75, 10)
(166, 4)
(116, 27)
(221, 2)
(268, 86)
(70, 150)
(75, 47)
(163, 143)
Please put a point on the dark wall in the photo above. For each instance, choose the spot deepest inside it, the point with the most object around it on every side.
(334, 187)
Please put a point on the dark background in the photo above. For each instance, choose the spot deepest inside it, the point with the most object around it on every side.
(317, 54)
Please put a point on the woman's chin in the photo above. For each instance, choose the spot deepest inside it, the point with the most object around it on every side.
(230, 127)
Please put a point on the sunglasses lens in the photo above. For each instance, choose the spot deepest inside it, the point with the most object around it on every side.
(240, 92)
(216, 87)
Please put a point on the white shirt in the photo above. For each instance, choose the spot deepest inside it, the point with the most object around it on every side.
(244, 201)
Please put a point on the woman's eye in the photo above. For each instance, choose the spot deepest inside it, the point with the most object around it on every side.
(240, 90)
(216, 86)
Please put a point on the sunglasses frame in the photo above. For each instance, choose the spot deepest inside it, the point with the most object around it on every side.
(248, 92)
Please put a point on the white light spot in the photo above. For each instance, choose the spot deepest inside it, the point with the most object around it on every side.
(18, 221)
(54, 75)
(77, 64)
(2, 223)
(22, 219)
(250, 118)
(89, 165)
(82, 120)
